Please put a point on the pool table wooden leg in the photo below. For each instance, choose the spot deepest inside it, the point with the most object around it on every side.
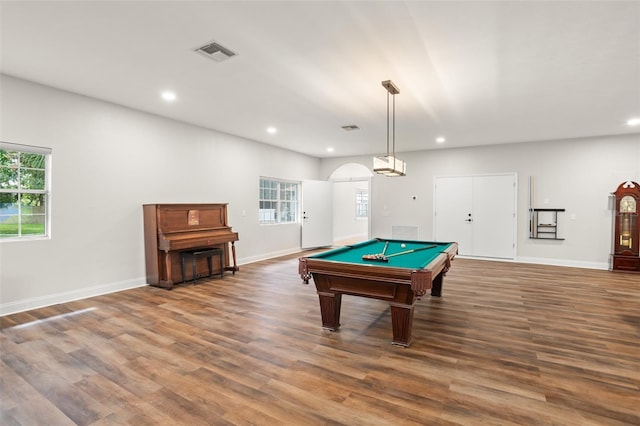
(402, 323)
(330, 310)
(436, 285)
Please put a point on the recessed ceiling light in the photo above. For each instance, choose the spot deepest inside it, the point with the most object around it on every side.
(169, 96)
(330, 149)
(272, 130)
(440, 139)
(634, 121)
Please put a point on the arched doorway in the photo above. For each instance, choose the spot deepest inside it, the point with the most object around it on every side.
(351, 203)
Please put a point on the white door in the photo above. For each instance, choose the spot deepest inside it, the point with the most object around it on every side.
(494, 216)
(478, 212)
(453, 209)
(317, 214)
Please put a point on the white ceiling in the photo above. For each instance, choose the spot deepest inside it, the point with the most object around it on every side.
(477, 73)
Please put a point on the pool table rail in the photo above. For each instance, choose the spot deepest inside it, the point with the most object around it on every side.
(420, 279)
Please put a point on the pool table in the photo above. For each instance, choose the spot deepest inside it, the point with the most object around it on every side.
(402, 276)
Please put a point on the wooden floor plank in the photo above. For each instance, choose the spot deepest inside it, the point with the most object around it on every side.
(506, 344)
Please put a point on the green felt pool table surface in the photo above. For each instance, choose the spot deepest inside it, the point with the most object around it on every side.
(427, 252)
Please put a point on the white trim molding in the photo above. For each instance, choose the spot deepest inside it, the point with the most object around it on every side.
(69, 296)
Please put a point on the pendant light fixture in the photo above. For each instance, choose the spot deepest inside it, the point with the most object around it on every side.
(389, 165)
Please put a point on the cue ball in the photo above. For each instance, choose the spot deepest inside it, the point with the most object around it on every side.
(403, 245)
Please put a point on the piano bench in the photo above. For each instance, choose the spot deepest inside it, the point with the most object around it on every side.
(194, 255)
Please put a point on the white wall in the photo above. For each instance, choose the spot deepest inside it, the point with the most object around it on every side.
(107, 162)
(577, 175)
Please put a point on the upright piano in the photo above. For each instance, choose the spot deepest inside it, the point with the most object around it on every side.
(170, 229)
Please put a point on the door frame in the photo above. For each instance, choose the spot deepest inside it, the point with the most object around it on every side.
(515, 208)
(369, 181)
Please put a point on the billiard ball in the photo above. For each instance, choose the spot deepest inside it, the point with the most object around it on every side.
(403, 245)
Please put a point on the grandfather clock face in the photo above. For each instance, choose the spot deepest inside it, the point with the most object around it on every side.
(628, 204)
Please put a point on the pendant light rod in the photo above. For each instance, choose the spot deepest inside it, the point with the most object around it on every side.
(389, 165)
(392, 89)
(388, 124)
(394, 127)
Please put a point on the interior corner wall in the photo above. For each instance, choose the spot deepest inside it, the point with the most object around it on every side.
(576, 174)
(107, 162)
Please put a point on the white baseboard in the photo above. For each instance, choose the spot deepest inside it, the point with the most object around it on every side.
(84, 293)
(270, 255)
(545, 261)
(69, 296)
(564, 262)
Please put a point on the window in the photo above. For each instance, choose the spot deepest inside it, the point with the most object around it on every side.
(362, 204)
(278, 201)
(24, 191)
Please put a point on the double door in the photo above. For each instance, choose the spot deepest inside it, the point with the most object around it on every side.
(477, 212)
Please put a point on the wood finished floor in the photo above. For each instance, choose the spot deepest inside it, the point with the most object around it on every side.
(507, 344)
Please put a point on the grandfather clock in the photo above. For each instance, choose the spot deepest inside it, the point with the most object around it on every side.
(626, 249)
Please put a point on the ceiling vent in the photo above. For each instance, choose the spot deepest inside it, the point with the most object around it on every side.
(215, 51)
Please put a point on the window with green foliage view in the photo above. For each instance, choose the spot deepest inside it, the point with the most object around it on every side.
(23, 191)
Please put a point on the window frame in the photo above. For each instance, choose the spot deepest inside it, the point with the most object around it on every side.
(45, 192)
(278, 200)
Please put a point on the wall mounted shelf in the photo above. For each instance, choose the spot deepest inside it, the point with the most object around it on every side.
(544, 224)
